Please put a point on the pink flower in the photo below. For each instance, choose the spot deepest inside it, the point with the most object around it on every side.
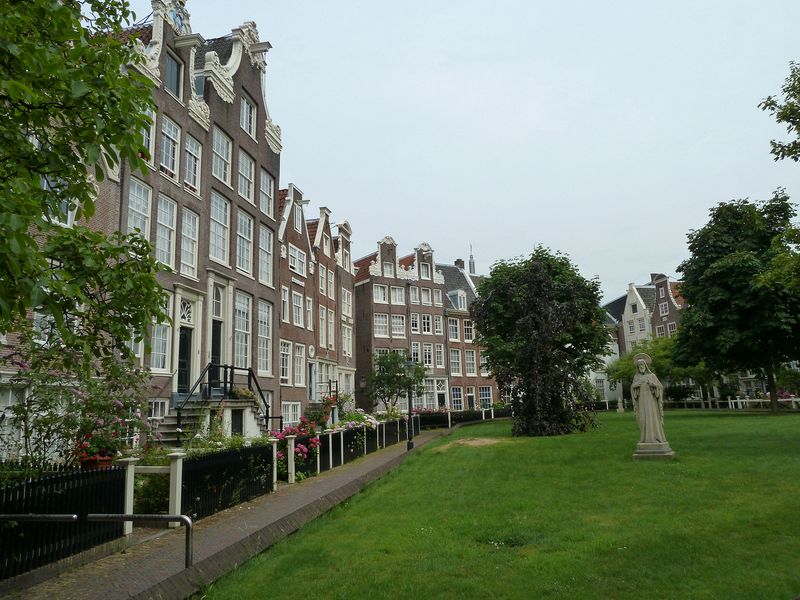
(280, 455)
(118, 404)
(100, 422)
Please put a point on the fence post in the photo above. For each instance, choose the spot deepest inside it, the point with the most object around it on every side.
(175, 484)
(492, 410)
(317, 458)
(365, 439)
(274, 442)
(290, 456)
(449, 422)
(483, 414)
(130, 471)
(341, 445)
(378, 437)
(330, 448)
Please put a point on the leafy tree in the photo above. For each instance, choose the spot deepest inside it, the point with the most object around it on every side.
(63, 413)
(389, 381)
(69, 107)
(738, 318)
(541, 326)
(786, 111)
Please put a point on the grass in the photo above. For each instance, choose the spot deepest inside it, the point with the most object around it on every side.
(566, 517)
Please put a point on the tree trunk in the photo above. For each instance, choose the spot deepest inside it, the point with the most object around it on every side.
(773, 390)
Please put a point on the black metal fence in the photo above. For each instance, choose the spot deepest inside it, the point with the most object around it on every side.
(353, 444)
(214, 482)
(305, 461)
(391, 429)
(27, 545)
(371, 439)
(467, 416)
(432, 420)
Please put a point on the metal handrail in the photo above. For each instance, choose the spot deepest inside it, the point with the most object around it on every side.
(187, 521)
(40, 518)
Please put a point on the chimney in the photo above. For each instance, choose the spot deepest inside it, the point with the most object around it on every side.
(459, 263)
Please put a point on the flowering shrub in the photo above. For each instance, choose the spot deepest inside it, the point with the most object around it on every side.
(357, 418)
(305, 456)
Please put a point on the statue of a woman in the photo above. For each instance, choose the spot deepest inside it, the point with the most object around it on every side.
(647, 394)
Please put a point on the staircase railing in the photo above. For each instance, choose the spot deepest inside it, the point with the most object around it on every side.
(227, 381)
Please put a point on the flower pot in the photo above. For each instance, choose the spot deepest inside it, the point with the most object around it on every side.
(92, 463)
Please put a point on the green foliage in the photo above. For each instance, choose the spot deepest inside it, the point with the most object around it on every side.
(541, 325)
(63, 412)
(70, 108)
(738, 318)
(389, 381)
(789, 380)
(786, 111)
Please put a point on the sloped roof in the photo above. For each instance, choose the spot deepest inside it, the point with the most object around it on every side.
(143, 32)
(406, 261)
(455, 278)
(615, 308)
(223, 46)
(675, 288)
(311, 227)
(362, 264)
(282, 194)
(648, 295)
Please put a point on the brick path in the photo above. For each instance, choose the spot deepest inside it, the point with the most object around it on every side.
(155, 569)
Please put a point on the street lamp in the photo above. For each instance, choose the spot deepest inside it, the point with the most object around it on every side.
(410, 364)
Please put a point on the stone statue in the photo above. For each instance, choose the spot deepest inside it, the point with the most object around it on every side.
(648, 405)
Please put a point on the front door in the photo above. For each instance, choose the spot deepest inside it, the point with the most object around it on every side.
(470, 398)
(216, 351)
(184, 359)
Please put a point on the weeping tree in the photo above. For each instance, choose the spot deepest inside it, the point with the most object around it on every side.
(541, 326)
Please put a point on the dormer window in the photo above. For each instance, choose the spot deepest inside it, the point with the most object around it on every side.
(425, 270)
(388, 269)
(173, 76)
(634, 308)
(462, 301)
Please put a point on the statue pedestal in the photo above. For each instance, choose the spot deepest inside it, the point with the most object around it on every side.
(649, 450)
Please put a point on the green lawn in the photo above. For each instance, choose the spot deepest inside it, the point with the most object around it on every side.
(567, 517)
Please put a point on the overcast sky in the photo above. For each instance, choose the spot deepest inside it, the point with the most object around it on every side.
(605, 130)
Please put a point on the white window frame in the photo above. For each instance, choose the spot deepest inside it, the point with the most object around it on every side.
(347, 302)
(161, 341)
(298, 309)
(297, 260)
(427, 324)
(470, 362)
(413, 294)
(248, 116)
(469, 331)
(219, 228)
(284, 304)
(309, 313)
(642, 325)
(221, 155)
(323, 327)
(331, 284)
(244, 242)
(267, 193)
(663, 309)
(179, 63)
(438, 325)
(388, 268)
(427, 355)
(169, 158)
(290, 411)
(242, 327)
(247, 176)
(451, 324)
(347, 340)
(299, 365)
(140, 198)
(298, 218)
(426, 296)
(457, 397)
(166, 221)
(265, 255)
(398, 326)
(437, 297)
(381, 325)
(264, 341)
(414, 323)
(487, 397)
(455, 361)
(323, 279)
(192, 164)
(331, 330)
(439, 355)
(380, 293)
(190, 232)
(398, 295)
(285, 366)
(425, 270)
(660, 331)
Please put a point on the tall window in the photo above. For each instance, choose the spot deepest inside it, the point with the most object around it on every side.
(347, 340)
(299, 365)
(323, 279)
(641, 325)
(455, 362)
(381, 325)
(347, 303)
(437, 297)
(286, 362)
(173, 76)
(426, 296)
(427, 355)
(220, 223)
(297, 260)
(323, 327)
(672, 328)
(190, 226)
(426, 324)
(663, 308)
(170, 146)
(452, 329)
(485, 396)
(290, 411)
(413, 294)
(297, 309)
(148, 135)
(165, 230)
(331, 284)
(247, 116)
(310, 313)
(469, 362)
(265, 255)
(298, 218)
(241, 341)
(440, 356)
(221, 156)
(458, 399)
(398, 326)
(659, 331)
(484, 366)
(468, 331)
(284, 304)
(415, 346)
(247, 176)
(388, 269)
(414, 322)
(425, 270)
(139, 198)
(267, 193)
(161, 342)
(244, 242)
(380, 293)
(398, 295)
(437, 325)
(326, 244)
(193, 154)
(264, 358)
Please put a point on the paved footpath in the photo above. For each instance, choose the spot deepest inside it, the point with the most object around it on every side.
(155, 569)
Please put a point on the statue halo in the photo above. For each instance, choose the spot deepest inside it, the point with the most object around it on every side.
(642, 356)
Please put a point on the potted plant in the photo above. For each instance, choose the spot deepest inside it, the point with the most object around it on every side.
(242, 393)
(98, 448)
